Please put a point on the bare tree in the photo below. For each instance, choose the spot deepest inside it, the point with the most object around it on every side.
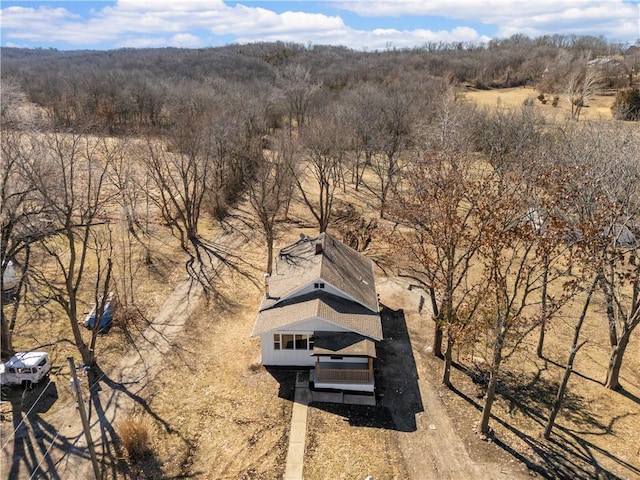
(513, 269)
(323, 145)
(364, 105)
(392, 132)
(603, 198)
(129, 181)
(582, 85)
(298, 88)
(23, 220)
(576, 345)
(182, 168)
(70, 176)
(270, 190)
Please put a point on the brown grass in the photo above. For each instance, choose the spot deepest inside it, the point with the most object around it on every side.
(598, 108)
(135, 436)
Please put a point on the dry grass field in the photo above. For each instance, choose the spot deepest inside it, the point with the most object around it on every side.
(598, 108)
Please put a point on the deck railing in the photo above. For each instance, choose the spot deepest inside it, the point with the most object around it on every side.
(334, 375)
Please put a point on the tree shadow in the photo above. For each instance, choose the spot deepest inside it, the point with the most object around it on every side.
(113, 456)
(573, 372)
(626, 393)
(360, 415)
(566, 455)
(34, 439)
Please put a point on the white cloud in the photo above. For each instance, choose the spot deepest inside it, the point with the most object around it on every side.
(377, 39)
(188, 22)
(185, 40)
(615, 19)
(170, 5)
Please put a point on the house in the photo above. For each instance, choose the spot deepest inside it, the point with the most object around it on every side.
(320, 310)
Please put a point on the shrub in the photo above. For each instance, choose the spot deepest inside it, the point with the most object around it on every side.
(626, 106)
(556, 99)
(135, 437)
(542, 98)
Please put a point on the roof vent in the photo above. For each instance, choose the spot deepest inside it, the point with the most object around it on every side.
(318, 248)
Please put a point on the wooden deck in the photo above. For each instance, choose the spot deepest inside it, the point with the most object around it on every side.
(343, 372)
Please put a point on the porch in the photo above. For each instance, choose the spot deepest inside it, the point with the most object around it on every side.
(344, 361)
(343, 376)
(344, 372)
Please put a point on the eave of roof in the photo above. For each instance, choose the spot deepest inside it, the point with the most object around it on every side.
(319, 304)
(343, 344)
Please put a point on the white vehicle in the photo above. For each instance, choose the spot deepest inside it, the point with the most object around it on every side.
(25, 368)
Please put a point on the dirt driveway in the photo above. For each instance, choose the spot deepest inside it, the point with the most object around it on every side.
(432, 445)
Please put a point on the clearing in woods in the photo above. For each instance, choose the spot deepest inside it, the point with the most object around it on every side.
(214, 412)
(598, 108)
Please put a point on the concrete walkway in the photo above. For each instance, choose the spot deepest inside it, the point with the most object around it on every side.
(298, 433)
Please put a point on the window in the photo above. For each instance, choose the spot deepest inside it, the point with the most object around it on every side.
(287, 341)
(290, 341)
(301, 342)
(318, 285)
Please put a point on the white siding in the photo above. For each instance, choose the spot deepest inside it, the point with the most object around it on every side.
(294, 357)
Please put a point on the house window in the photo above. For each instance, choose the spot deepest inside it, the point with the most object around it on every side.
(287, 341)
(301, 342)
(336, 357)
(318, 285)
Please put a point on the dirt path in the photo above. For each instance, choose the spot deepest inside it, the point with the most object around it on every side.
(431, 445)
(57, 448)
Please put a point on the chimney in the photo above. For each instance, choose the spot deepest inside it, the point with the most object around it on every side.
(318, 248)
(266, 284)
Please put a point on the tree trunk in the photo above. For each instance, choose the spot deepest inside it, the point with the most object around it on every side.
(561, 391)
(567, 373)
(543, 308)
(493, 379)
(615, 361)
(5, 338)
(488, 402)
(448, 360)
(437, 328)
(437, 340)
(269, 254)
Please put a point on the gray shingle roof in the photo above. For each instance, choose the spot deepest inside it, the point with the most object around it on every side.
(343, 344)
(347, 270)
(339, 311)
(298, 265)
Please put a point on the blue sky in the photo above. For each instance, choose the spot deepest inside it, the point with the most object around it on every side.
(358, 24)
